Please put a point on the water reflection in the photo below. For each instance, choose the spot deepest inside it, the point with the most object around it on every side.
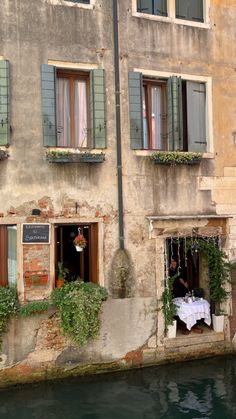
(197, 390)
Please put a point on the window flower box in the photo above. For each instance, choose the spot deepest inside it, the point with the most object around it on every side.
(68, 157)
(175, 158)
(35, 279)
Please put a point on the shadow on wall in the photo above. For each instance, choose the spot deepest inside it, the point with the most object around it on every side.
(122, 279)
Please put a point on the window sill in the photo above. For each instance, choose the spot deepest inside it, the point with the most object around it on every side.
(167, 19)
(69, 3)
(3, 155)
(64, 157)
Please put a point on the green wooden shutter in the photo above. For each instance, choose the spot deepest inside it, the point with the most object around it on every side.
(181, 9)
(136, 110)
(98, 113)
(196, 112)
(195, 11)
(4, 103)
(175, 114)
(48, 78)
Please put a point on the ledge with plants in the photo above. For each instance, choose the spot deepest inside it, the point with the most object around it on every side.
(175, 157)
(60, 156)
(79, 305)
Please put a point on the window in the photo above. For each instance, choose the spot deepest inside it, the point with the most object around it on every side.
(8, 255)
(153, 7)
(72, 93)
(4, 103)
(73, 105)
(167, 114)
(189, 10)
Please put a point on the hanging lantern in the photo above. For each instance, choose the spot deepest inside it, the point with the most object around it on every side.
(194, 252)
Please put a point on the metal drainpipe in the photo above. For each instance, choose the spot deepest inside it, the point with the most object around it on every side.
(118, 130)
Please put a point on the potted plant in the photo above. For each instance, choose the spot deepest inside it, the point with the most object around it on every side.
(80, 242)
(62, 272)
(169, 308)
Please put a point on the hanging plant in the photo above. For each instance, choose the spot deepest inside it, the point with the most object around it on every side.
(79, 306)
(80, 242)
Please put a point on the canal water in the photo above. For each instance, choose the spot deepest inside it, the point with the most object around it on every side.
(199, 389)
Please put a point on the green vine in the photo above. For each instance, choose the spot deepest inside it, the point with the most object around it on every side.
(79, 306)
(33, 308)
(218, 270)
(168, 307)
(8, 307)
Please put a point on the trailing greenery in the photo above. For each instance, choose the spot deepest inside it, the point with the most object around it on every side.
(175, 157)
(8, 306)
(33, 308)
(219, 270)
(68, 153)
(168, 307)
(79, 306)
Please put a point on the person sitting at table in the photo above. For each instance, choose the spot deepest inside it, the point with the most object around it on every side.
(180, 285)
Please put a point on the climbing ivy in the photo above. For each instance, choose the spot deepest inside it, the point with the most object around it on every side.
(8, 307)
(219, 269)
(168, 306)
(79, 306)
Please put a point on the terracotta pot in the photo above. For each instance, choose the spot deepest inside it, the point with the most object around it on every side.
(60, 282)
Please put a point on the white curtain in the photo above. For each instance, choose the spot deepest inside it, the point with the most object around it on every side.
(80, 114)
(63, 112)
(156, 118)
(12, 255)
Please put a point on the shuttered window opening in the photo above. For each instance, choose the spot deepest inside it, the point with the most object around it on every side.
(167, 114)
(73, 105)
(153, 7)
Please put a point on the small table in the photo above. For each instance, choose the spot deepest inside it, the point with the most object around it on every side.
(189, 313)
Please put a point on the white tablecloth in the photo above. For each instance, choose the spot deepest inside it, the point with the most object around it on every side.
(189, 313)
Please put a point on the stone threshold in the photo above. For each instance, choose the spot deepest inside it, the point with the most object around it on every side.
(194, 339)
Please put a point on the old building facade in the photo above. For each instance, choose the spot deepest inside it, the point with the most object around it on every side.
(59, 171)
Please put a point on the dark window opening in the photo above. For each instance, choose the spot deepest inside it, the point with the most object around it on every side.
(153, 7)
(189, 10)
(84, 264)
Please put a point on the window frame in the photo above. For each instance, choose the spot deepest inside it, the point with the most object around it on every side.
(208, 108)
(72, 75)
(171, 15)
(147, 85)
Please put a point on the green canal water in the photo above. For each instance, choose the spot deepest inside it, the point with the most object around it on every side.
(198, 390)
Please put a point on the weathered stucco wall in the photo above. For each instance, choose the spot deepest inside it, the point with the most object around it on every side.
(35, 33)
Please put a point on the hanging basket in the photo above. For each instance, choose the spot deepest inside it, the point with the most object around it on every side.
(79, 248)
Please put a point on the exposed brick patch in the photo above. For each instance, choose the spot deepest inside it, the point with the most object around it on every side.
(134, 358)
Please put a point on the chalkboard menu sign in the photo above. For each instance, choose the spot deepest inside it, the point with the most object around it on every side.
(35, 233)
